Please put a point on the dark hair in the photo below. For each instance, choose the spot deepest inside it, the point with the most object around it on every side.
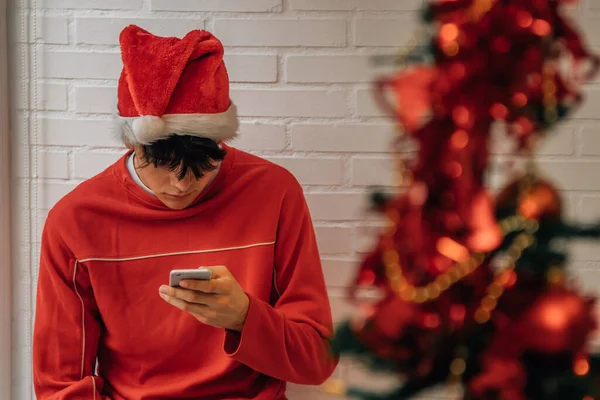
(183, 153)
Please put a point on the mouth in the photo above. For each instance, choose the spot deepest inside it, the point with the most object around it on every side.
(178, 196)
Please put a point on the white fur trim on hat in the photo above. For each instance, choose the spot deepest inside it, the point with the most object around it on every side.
(148, 128)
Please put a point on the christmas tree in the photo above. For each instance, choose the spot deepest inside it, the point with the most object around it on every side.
(472, 286)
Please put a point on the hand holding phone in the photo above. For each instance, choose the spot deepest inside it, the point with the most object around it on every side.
(198, 274)
(212, 295)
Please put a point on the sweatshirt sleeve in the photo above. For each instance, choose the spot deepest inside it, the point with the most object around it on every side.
(288, 340)
(67, 328)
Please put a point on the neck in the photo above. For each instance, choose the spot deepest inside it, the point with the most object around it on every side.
(133, 170)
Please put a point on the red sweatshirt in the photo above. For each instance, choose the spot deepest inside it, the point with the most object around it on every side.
(103, 332)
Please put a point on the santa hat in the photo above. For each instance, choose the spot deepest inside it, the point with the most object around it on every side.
(173, 86)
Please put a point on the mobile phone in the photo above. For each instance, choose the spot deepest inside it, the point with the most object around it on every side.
(198, 274)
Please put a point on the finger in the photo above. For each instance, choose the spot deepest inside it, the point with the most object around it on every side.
(197, 297)
(215, 285)
(201, 312)
(197, 309)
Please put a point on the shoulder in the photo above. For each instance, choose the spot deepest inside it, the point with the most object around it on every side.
(82, 196)
(273, 174)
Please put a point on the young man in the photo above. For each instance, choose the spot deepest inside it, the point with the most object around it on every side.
(107, 324)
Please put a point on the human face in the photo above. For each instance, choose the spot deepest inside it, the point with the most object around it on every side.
(174, 193)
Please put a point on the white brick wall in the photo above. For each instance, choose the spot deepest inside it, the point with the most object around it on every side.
(300, 76)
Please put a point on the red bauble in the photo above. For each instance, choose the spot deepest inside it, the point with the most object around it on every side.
(500, 379)
(558, 321)
(402, 332)
(393, 316)
(531, 197)
(371, 271)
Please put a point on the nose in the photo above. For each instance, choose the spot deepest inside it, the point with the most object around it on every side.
(184, 184)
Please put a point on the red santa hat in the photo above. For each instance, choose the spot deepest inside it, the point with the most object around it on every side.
(173, 86)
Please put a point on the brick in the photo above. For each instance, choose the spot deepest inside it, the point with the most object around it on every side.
(337, 206)
(107, 30)
(589, 26)
(339, 273)
(251, 67)
(50, 30)
(584, 249)
(341, 309)
(290, 103)
(40, 217)
(50, 163)
(573, 175)
(89, 164)
(587, 277)
(260, 137)
(590, 208)
(92, 4)
(588, 109)
(50, 97)
(371, 171)
(366, 105)
(384, 32)
(560, 141)
(53, 164)
(590, 140)
(592, 4)
(570, 205)
(81, 65)
(281, 32)
(312, 171)
(367, 236)
(366, 379)
(96, 99)
(334, 240)
(216, 5)
(356, 5)
(328, 69)
(51, 193)
(361, 138)
(19, 234)
(69, 132)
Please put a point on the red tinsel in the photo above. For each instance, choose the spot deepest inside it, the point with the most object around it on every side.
(494, 61)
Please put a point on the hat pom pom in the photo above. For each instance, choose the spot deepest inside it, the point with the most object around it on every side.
(148, 128)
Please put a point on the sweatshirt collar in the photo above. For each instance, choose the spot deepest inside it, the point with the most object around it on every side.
(122, 173)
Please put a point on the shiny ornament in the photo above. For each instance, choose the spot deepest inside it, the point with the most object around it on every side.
(401, 332)
(532, 198)
(501, 378)
(557, 321)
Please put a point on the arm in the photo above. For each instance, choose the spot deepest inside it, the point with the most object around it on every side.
(288, 340)
(67, 328)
